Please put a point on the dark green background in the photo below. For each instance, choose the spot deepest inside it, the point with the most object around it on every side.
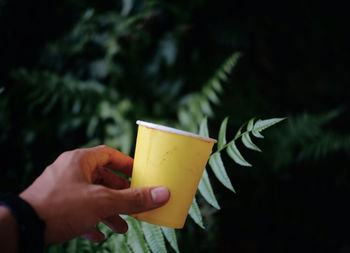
(295, 63)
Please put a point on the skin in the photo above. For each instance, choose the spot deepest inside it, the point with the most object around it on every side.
(77, 191)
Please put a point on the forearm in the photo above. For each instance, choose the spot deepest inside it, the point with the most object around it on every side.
(8, 231)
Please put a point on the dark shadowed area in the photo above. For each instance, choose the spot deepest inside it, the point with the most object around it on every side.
(80, 73)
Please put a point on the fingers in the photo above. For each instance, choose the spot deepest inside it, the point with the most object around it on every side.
(107, 178)
(116, 223)
(94, 235)
(104, 156)
(134, 200)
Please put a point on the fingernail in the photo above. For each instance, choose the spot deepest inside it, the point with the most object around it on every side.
(160, 194)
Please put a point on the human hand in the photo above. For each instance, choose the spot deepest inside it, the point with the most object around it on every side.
(77, 191)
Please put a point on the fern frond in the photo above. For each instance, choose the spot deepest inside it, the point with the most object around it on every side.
(207, 191)
(198, 105)
(170, 235)
(215, 163)
(195, 214)
(154, 237)
(236, 156)
(324, 144)
(222, 133)
(56, 248)
(79, 245)
(135, 238)
(259, 126)
(219, 170)
(249, 143)
(215, 160)
(117, 243)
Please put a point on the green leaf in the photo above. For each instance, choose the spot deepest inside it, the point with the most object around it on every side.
(234, 153)
(250, 128)
(203, 128)
(239, 132)
(186, 119)
(195, 108)
(154, 237)
(248, 142)
(205, 106)
(231, 62)
(216, 84)
(195, 214)
(92, 125)
(56, 248)
(127, 6)
(134, 236)
(78, 245)
(222, 134)
(261, 125)
(211, 94)
(170, 235)
(207, 191)
(250, 125)
(73, 245)
(222, 75)
(118, 243)
(257, 134)
(219, 170)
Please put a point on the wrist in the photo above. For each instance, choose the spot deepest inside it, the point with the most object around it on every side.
(28, 227)
(8, 231)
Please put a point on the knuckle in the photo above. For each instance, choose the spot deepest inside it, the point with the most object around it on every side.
(100, 195)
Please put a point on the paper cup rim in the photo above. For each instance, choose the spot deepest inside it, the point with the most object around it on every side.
(173, 130)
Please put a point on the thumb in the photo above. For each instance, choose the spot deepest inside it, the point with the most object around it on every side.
(135, 200)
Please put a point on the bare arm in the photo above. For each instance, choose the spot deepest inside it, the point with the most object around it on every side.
(8, 231)
(78, 191)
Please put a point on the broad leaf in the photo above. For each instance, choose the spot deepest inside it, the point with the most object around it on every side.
(234, 153)
(219, 170)
(170, 235)
(222, 134)
(248, 142)
(154, 237)
(207, 191)
(135, 237)
(195, 214)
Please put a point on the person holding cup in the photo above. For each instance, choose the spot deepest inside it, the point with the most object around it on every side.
(70, 197)
(79, 190)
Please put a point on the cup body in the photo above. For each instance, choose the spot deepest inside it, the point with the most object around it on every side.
(174, 159)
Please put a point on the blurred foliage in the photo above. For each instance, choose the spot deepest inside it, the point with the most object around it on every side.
(80, 73)
(307, 137)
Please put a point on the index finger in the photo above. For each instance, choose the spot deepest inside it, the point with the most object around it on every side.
(105, 156)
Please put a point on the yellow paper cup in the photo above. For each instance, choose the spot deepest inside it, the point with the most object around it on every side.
(172, 158)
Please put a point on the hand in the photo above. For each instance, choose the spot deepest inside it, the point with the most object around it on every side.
(78, 191)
